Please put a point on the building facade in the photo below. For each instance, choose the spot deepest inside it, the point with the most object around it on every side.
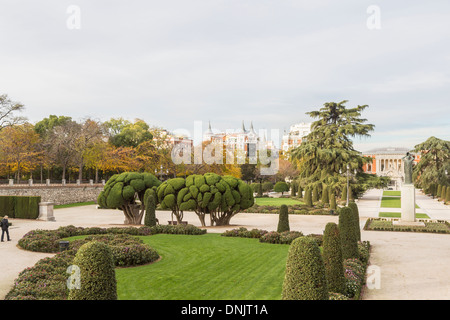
(387, 162)
(295, 136)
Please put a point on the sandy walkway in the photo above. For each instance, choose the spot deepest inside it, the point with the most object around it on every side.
(412, 265)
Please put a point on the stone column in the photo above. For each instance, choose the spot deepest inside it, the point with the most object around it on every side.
(63, 182)
(46, 211)
(30, 182)
(47, 182)
(11, 182)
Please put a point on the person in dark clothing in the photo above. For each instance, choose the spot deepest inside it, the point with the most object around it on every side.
(5, 225)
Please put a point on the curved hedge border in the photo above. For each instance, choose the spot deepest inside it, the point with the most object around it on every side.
(46, 280)
(285, 237)
(48, 240)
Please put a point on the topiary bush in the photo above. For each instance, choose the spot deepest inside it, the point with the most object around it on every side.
(348, 233)
(126, 192)
(283, 221)
(281, 186)
(150, 209)
(97, 275)
(305, 272)
(332, 257)
(354, 207)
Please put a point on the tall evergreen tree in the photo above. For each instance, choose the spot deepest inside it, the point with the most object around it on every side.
(434, 160)
(329, 146)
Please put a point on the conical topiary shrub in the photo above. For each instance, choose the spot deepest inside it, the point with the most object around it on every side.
(305, 272)
(283, 221)
(315, 194)
(325, 195)
(97, 275)
(347, 233)
(150, 211)
(300, 191)
(332, 258)
(308, 197)
(333, 204)
(357, 228)
(344, 194)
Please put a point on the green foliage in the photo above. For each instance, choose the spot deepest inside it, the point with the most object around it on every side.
(150, 210)
(283, 220)
(126, 134)
(305, 277)
(20, 207)
(325, 195)
(433, 163)
(122, 191)
(308, 197)
(354, 207)
(315, 193)
(293, 189)
(348, 233)
(447, 198)
(333, 205)
(329, 147)
(97, 274)
(332, 257)
(281, 186)
(300, 191)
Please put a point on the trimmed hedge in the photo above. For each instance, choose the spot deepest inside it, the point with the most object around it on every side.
(332, 257)
(48, 240)
(283, 222)
(305, 277)
(20, 207)
(347, 232)
(97, 275)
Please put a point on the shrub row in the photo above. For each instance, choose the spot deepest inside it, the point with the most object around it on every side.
(20, 207)
(431, 226)
(293, 209)
(274, 237)
(48, 240)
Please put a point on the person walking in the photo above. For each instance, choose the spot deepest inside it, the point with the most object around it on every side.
(5, 225)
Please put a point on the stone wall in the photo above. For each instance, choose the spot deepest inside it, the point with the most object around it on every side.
(56, 194)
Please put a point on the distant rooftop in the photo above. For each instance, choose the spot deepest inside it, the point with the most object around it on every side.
(388, 150)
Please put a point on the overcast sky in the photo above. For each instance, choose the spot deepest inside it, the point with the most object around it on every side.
(174, 62)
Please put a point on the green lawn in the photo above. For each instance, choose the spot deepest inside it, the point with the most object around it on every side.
(276, 201)
(206, 267)
(392, 202)
(392, 193)
(70, 205)
(398, 215)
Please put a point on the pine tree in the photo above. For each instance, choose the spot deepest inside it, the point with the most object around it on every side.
(308, 197)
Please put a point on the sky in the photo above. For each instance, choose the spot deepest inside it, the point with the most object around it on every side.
(175, 62)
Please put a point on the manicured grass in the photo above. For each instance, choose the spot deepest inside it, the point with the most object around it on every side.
(398, 215)
(392, 202)
(70, 205)
(392, 193)
(206, 267)
(276, 201)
